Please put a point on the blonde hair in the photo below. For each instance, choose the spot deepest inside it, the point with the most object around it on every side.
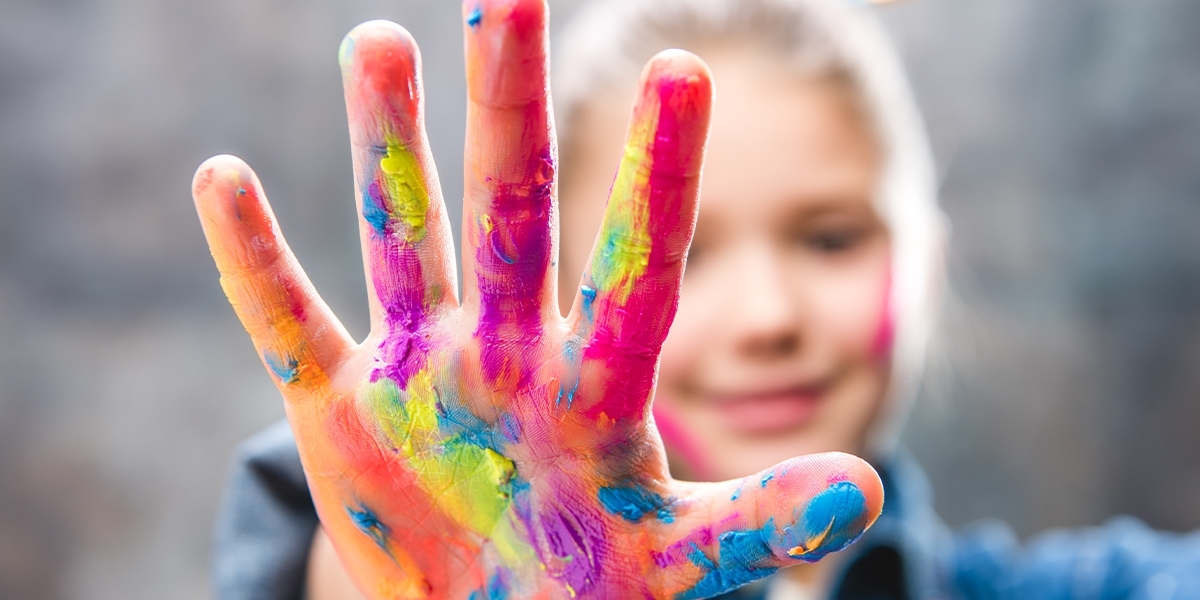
(608, 41)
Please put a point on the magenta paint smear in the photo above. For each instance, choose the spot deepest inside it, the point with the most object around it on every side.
(629, 332)
(683, 444)
(510, 266)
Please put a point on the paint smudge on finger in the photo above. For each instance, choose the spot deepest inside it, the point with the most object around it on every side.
(398, 191)
(623, 250)
(369, 524)
(766, 478)
(833, 519)
(743, 557)
(475, 17)
(286, 368)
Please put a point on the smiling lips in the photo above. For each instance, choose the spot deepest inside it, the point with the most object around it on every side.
(768, 412)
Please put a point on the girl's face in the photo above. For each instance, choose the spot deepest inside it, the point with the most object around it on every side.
(782, 342)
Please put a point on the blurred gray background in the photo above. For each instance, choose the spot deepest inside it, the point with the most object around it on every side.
(1068, 132)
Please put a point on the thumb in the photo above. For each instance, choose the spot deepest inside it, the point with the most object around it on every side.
(728, 534)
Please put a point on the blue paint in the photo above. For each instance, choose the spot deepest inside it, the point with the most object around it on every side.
(737, 493)
(366, 521)
(832, 520)
(498, 250)
(510, 428)
(372, 212)
(570, 383)
(458, 424)
(635, 502)
(768, 477)
(286, 368)
(496, 589)
(589, 300)
(476, 17)
(745, 556)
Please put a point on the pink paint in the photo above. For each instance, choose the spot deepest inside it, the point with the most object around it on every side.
(628, 333)
(676, 438)
(885, 334)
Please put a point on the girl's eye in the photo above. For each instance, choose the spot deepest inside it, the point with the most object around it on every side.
(832, 241)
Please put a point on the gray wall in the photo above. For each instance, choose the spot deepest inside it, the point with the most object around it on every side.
(1069, 133)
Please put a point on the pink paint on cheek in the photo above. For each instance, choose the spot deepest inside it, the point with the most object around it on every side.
(676, 437)
(885, 333)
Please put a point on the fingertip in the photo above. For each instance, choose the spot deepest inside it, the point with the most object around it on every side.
(507, 51)
(844, 498)
(230, 202)
(378, 32)
(383, 54)
(680, 64)
(682, 79)
(672, 113)
(524, 16)
(845, 467)
(220, 174)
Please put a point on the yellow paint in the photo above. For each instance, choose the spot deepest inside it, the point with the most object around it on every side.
(408, 200)
(468, 482)
(513, 547)
(623, 252)
(811, 543)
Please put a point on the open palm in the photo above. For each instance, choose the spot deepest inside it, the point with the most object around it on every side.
(491, 448)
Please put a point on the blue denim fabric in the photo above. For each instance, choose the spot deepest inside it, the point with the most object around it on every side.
(267, 520)
(265, 523)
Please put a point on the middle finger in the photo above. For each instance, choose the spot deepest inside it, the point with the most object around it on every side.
(509, 211)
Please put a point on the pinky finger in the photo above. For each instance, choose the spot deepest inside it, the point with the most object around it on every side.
(297, 337)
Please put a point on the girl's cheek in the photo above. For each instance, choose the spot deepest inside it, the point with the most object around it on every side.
(885, 329)
(857, 313)
(686, 334)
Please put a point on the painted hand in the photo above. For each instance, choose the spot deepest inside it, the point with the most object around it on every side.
(491, 448)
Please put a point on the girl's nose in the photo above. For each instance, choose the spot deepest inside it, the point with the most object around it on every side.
(765, 316)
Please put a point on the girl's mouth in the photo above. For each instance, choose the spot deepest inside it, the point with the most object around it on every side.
(769, 412)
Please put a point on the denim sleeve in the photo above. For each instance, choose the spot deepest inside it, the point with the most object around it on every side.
(1122, 560)
(265, 523)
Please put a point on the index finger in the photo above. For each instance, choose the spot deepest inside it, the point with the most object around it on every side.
(628, 296)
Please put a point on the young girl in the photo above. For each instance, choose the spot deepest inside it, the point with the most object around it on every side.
(494, 449)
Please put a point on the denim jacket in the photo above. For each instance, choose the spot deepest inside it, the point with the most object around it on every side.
(266, 523)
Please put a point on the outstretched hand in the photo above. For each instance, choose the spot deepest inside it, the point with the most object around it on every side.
(490, 447)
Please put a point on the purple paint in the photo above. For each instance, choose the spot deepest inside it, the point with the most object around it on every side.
(396, 274)
(511, 266)
(573, 547)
